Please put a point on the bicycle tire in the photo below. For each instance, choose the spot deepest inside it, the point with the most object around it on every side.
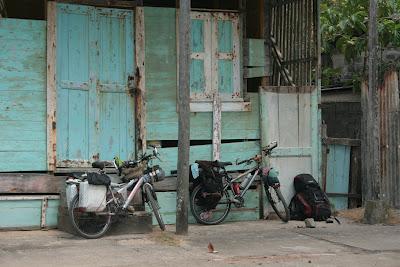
(284, 214)
(89, 224)
(155, 207)
(219, 213)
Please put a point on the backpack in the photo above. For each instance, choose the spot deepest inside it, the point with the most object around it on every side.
(309, 201)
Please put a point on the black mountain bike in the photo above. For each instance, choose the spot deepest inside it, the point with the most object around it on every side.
(233, 191)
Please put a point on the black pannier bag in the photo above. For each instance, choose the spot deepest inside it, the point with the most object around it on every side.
(211, 181)
(95, 178)
(310, 201)
(210, 176)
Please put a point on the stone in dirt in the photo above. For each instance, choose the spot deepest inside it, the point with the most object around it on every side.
(310, 223)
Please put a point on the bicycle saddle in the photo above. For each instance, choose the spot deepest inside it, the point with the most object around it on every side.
(99, 164)
(222, 163)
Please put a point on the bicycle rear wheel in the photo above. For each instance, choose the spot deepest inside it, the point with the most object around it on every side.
(89, 224)
(154, 206)
(205, 216)
(278, 203)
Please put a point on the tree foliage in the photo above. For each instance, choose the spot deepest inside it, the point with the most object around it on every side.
(344, 26)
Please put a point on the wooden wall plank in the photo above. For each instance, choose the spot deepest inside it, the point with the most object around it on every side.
(254, 72)
(22, 95)
(26, 214)
(30, 183)
(256, 52)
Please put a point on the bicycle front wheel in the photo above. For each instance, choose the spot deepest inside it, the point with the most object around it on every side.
(154, 206)
(202, 213)
(278, 203)
(89, 224)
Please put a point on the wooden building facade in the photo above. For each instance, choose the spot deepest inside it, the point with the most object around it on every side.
(93, 80)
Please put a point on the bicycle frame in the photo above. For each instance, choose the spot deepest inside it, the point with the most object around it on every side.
(128, 200)
(243, 191)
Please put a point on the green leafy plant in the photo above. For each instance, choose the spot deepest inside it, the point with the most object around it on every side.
(344, 27)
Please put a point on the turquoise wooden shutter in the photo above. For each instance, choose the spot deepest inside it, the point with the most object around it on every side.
(116, 105)
(226, 46)
(74, 82)
(95, 110)
(200, 80)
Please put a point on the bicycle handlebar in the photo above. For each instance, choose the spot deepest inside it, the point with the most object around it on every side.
(267, 150)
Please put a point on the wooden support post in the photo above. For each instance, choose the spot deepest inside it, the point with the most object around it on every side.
(51, 86)
(217, 127)
(371, 171)
(183, 119)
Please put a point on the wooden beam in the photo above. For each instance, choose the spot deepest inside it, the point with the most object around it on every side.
(342, 141)
(183, 118)
(105, 3)
(30, 183)
(349, 195)
(266, 34)
(234, 106)
(51, 86)
(217, 117)
(289, 89)
(141, 132)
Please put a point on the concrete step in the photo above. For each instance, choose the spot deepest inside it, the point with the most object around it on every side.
(139, 222)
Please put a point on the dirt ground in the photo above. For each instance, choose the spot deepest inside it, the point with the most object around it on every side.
(257, 243)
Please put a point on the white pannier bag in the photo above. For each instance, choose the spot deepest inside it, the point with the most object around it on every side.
(92, 197)
(71, 191)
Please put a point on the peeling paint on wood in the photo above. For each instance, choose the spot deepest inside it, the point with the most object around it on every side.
(22, 95)
(24, 212)
(51, 86)
(289, 116)
(140, 79)
(95, 67)
(217, 127)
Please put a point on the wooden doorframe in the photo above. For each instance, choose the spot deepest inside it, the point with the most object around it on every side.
(51, 98)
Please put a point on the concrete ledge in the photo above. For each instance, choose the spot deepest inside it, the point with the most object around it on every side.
(140, 222)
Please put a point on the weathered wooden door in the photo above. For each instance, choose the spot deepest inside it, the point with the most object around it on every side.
(290, 116)
(290, 113)
(95, 108)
